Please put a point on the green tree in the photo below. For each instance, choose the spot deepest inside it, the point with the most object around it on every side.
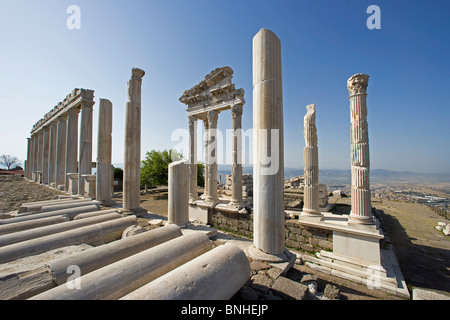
(200, 174)
(155, 166)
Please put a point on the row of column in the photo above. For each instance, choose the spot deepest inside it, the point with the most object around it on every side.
(53, 150)
(210, 125)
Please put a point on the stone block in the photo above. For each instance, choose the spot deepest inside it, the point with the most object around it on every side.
(289, 289)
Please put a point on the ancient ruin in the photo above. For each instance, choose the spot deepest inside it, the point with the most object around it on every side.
(175, 258)
(205, 101)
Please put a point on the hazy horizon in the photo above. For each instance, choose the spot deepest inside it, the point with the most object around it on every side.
(178, 42)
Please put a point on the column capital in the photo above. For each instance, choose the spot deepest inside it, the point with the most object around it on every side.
(192, 120)
(236, 111)
(357, 84)
(87, 104)
(73, 112)
(62, 118)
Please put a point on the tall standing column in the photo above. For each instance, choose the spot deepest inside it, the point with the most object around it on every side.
(211, 151)
(40, 155)
(45, 154)
(52, 154)
(268, 166)
(61, 152)
(29, 156)
(35, 155)
(205, 192)
(311, 163)
(193, 189)
(236, 145)
(71, 144)
(132, 150)
(104, 152)
(85, 149)
(361, 211)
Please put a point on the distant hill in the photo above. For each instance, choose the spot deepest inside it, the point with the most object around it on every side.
(343, 177)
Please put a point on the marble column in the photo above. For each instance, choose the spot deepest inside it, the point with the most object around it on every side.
(311, 165)
(178, 198)
(40, 153)
(104, 152)
(132, 149)
(211, 151)
(206, 126)
(236, 145)
(71, 144)
(29, 156)
(45, 154)
(35, 155)
(52, 154)
(85, 149)
(268, 153)
(361, 208)
(61, 151)
(193, 187)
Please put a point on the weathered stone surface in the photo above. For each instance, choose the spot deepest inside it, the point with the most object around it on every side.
(214, 275)
(25, 277)
(331, 292)
(290, 289)
(131, 231)
(261, 283)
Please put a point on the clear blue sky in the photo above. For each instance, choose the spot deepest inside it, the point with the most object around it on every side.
(177, 42)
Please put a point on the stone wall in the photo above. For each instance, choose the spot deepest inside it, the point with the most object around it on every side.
(297, 236)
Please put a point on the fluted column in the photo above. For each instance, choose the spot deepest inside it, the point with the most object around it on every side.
(311, 165)
(205, 190)
(193, 188)
(211, 151)
(45, 154)
(268, 153)
(52, 154)
(35, 156)
(71, 144)
(29, 156)
(61, 140)
(85, 149)
(132, 150)
(104, 152)
(361, 209)
(236, 145)
(40, 154)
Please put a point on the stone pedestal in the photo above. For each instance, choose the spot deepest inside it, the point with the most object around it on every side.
(361, 212)
(104, 153)
(311, 169)
(72, 179)
(132, 149)
(89, 185)
(268, 173)
(178, 207)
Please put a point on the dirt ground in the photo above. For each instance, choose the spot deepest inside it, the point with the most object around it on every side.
(422, 251)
